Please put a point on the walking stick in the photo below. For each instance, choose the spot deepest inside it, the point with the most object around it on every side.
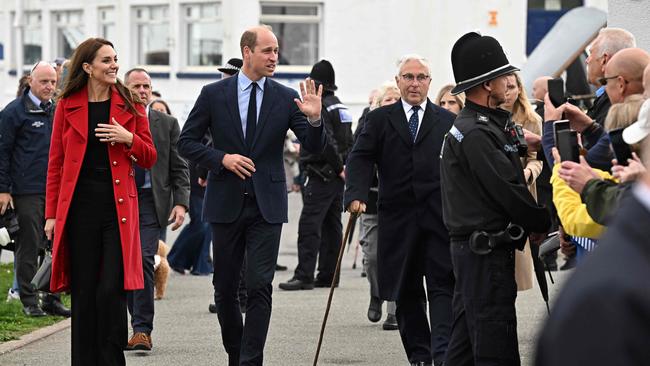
(356, 253)
(335, 279)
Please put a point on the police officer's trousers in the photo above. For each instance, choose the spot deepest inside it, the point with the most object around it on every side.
(485, 324)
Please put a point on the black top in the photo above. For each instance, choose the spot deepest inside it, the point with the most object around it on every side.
(96, 157)
(483, 185)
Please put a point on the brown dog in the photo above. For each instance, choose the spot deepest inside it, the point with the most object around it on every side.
(161, 270)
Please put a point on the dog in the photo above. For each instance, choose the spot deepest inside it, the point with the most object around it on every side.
(161, 270)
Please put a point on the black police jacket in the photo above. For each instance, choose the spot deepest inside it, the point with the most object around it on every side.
(483, 185)
(337, 122)
(25, 131)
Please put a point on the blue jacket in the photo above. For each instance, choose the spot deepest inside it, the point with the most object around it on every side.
(25, 132)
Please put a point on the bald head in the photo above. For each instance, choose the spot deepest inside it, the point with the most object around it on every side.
(540, 87)
(646, 82)
(625, 73)
(43, 81)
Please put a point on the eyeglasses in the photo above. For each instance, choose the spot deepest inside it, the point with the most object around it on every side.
(604, 80)
(419, 77)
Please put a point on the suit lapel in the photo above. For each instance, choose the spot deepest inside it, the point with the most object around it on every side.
(233, 105)
(398, 119)
(428, 122)
(265, 110)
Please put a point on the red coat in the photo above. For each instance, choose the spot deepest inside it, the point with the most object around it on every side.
(69, 138)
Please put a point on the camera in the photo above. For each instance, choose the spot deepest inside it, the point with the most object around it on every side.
(518, 139)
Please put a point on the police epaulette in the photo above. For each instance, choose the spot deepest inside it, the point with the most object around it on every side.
(481, 118)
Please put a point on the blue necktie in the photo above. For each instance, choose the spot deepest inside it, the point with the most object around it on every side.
(251, 118)
(413, 121)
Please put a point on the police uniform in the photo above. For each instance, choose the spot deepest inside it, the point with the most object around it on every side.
(484, 190)
(319, 228)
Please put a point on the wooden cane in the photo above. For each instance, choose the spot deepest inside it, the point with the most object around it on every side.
(335, 279)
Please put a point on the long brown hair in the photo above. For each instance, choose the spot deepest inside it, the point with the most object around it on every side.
(77, 78)
(522, 111)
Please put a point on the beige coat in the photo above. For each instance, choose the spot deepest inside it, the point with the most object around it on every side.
(524, 270)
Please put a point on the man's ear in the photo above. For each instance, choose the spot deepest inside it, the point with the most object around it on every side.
(487, 86)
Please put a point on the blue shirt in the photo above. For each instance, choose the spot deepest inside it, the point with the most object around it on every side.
(244, 95)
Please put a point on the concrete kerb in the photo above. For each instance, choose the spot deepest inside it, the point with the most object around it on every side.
(34, 336)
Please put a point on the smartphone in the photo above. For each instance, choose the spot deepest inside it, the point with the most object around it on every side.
(556, 91)
(567, 145)
(560, 125)
(622, 151)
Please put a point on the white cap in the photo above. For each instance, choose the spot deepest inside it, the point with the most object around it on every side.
(638, 130)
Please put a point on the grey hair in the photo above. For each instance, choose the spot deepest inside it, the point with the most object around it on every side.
(413, 57)
(612, 40)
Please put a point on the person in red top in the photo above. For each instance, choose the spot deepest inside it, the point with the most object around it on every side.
(100, 131)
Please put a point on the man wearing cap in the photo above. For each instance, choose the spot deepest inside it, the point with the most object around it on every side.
(320, 229)
(484, 193)
(404, 140)
(25, 130)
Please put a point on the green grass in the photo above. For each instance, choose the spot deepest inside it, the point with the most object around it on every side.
(13, 323)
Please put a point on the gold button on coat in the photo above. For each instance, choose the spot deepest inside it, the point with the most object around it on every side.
(117, 181)
(123, 220)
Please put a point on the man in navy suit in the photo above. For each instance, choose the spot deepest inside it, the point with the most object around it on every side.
(404, 141)
(248, 116)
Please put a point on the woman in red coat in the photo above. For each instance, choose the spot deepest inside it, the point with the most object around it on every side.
(100, 130)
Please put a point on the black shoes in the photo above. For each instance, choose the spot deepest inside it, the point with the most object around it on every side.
(212, 308)
(56, 307)
(279, 267)
(421, 363)
(34, 311)
(390, 323)
(295, 284)
(374, 309)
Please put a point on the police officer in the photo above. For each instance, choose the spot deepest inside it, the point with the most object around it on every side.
(320, 229)
(486, 207)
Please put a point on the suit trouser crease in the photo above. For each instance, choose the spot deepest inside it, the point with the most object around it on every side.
(320, 230)
(425, 339)
(368, 235)
(251, 236)
(99, 319)
(485, 325)
(141, 302)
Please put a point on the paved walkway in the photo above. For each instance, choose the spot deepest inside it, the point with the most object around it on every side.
(187, 334)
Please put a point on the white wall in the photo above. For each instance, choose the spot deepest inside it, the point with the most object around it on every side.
(633, 15)
(362, 38)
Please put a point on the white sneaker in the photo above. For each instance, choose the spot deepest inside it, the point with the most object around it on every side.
(12, 295)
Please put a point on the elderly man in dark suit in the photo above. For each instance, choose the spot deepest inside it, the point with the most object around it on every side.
(163, 197)
(248, 116)
(404, 141)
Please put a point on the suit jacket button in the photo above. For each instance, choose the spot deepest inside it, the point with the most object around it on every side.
(124, 220)
(114, 163)
(117, 181)
(120, 200)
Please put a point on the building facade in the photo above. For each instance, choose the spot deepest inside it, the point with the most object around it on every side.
(182, 42)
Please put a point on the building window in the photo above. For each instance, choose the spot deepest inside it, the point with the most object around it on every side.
(203, 29)
(297, 28)
(152, 34)
(68, 30)
(106, 23)
(32, 37)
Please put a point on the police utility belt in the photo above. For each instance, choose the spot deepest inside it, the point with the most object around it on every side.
(482, 242)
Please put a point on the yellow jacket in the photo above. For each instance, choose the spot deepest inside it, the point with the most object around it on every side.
(570, 209)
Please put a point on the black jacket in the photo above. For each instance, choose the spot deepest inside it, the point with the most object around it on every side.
(483, 186)
(601, 316)
(337, 121)
(25, 132)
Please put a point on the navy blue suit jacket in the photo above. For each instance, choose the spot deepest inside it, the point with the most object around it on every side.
(217, 109)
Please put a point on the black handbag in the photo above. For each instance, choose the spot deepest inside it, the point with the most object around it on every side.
(8, 230)
(41, 280)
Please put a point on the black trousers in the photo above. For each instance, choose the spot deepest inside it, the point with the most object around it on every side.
(99, 320)
(425, 339)
(320, 230)
(30, 209)
(140, 302)
(251, 236)
(485, 322)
